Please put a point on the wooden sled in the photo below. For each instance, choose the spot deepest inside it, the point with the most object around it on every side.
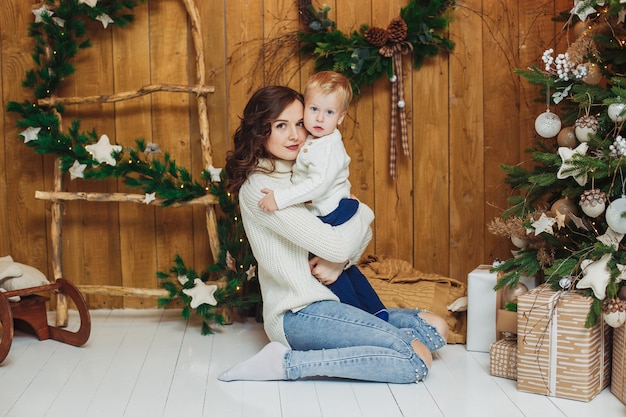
(30, 314)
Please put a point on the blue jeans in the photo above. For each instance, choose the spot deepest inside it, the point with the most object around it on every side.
(333, 339)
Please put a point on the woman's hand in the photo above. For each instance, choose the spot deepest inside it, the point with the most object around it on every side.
(325, 271)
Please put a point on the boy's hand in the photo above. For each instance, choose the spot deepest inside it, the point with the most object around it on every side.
(325, 271)
(268, 203)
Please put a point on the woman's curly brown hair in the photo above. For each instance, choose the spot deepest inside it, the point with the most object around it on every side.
(264, 107)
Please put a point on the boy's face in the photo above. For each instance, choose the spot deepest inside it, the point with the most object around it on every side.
(322, 113)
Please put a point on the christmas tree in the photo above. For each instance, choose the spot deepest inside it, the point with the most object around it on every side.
(568, 217)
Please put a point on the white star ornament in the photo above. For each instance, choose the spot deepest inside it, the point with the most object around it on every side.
(201, 294)
(182, 279)
(77, 170)
(40, 12)
(103, 150)
(149, 198)
(596, 276)
(611, 238)
(30, 133)
(251, 272)
(215, 173)
(581, 10)
(105, 19)
(544, 224)
(567, 155)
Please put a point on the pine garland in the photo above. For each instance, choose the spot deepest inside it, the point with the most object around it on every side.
(360, 60)
(234, 273)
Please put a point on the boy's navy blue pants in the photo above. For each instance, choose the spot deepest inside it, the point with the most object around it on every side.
(352, 287)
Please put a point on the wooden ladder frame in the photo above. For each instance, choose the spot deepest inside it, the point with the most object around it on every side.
(63, 288)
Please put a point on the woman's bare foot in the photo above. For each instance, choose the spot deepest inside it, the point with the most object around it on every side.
(423, 353)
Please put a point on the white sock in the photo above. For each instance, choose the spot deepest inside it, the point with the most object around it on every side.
(267, 365)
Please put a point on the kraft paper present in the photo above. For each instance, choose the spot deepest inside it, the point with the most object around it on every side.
(618, 373)
(556, 354)
(503, 358)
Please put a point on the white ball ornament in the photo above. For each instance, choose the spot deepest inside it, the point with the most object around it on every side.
(614, 318)
(594, 211)
(401, 104)
(585, 126)
(617, 112)
(548, 124)
(519, 242)
(593, 202)
(614, 312)
(393, 79)
(614, 217)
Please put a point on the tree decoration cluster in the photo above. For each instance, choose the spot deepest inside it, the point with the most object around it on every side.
(59, 32)
(568, 219)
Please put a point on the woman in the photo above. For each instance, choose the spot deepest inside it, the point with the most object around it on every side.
(311, 333)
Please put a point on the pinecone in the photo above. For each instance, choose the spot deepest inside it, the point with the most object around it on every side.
(612, 305)
(397, 30)
(387, 50)
(376, 36)
(587, 121)
(592, 197)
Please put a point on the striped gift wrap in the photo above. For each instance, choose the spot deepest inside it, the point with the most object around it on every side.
(557, 355)
(618, 374)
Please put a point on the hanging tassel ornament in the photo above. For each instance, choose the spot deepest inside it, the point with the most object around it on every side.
(393, 45)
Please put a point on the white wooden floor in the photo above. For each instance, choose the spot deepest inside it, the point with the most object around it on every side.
(152, 363)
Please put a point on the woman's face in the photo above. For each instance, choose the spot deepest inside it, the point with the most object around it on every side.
(288, 133)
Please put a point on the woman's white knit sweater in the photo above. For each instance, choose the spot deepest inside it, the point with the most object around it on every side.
(281, 242)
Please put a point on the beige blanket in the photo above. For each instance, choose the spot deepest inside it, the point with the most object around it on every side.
(399, 285)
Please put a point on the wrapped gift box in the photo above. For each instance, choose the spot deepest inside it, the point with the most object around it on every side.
(618, 375)
(503, 358)
(556, 354)
(481, 309)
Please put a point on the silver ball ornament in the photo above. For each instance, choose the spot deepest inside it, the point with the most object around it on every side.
(565, 283)
(401, 104)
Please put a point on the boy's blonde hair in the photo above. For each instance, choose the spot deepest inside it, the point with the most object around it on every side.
(327, 82)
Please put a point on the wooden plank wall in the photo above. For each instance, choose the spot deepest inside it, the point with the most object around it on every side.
(468, 113)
